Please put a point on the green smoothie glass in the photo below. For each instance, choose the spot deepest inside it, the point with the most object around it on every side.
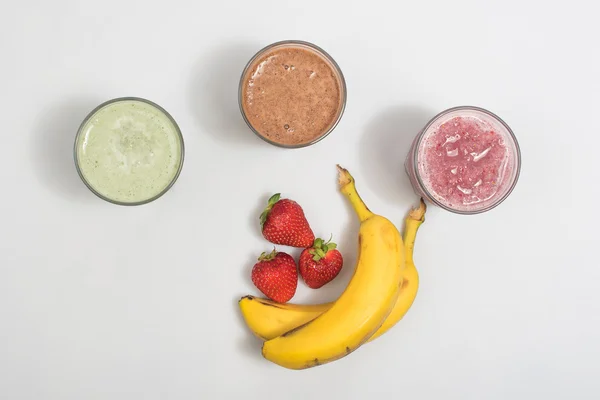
(129, 151)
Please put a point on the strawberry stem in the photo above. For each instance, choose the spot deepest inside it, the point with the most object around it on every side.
(272, 200)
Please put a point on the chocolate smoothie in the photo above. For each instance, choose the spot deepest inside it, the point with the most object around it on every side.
(292, 94)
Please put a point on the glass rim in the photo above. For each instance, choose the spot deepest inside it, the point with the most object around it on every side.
(325, 55)
(517, 160)
(117, 100)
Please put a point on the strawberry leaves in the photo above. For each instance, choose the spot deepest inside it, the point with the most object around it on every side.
(320, 248)
(272, 200)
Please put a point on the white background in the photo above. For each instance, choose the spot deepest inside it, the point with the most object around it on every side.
(99, 301)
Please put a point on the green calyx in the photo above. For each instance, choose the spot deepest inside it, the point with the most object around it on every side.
(320, 248)
(267, 256)
(263, 217)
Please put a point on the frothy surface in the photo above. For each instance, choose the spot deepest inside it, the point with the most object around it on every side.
(466, 162)
(129, 151)
(292, 95)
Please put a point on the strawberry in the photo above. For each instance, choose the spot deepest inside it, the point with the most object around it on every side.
(320, 263)
(283, 222)
(275, 275)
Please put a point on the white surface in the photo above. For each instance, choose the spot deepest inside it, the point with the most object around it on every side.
(104, 302)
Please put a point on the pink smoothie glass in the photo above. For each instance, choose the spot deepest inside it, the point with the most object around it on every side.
(465, 160)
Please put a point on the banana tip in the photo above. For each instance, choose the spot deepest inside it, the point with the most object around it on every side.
(419, 213)
(247, 297)
(344, 176)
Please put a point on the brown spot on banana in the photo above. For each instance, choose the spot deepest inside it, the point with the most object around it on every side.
(313, 363)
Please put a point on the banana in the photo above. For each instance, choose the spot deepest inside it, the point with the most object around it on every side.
(363, 306)
(268, 319)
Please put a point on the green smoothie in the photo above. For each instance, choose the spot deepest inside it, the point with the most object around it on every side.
(129, 151)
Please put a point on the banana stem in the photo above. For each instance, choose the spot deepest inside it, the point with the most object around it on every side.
(415, 218)
(347, 187)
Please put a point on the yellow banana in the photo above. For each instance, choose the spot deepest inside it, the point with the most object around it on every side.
(363, 306)
(268, 319)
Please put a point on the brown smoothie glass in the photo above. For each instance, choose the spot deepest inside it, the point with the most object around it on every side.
(292, 94)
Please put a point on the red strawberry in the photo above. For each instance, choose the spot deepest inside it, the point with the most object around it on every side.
(320, 263)
(275, 275)
(283, 222)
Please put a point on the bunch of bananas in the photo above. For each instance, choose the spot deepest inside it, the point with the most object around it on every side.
(379, 294)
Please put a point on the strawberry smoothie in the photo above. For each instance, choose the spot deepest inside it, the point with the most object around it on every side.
(466, 160)
(292, 94)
